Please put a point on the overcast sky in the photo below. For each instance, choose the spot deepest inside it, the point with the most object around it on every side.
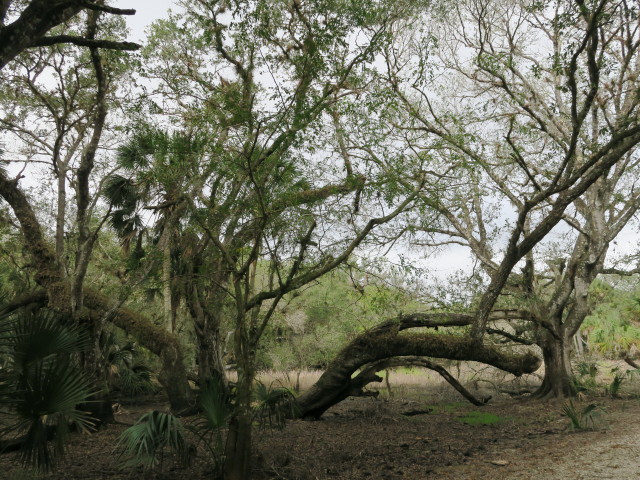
(146, 12)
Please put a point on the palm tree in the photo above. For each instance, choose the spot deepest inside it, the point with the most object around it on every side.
(159, 169)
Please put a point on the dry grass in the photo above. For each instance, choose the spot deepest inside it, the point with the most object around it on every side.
(293, 379)
(417, 383)
(299, 381)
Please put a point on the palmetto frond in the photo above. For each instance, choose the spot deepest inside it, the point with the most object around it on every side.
(138, 151)
(216, 405)
(41, 384)
(37, 336)
(121, 192)
(274, 404)
(155, 431)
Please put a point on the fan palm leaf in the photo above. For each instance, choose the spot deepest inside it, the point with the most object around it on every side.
(274, 404)
(41, 384)
(145, 442)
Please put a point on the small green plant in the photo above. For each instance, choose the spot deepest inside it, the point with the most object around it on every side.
(274, 404)
(155, 433)
(587, 369)
(614, 387)
(481, 418)
(584, 419)
(585, 379)
(447, 407)
(124, 373)
(215, 411)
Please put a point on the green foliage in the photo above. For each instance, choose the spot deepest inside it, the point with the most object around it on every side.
(274, 404)
(319, 321)
(217, 406)
(616, 383)
(157, 168)
(215, 412)
(582, 419)
(125, 373)
(136, 381)
(585, 378)
(14, 279)
(613, 325)
(153, 435)
(481, 418)
(448, 407)
(41, 384)
(619, 377)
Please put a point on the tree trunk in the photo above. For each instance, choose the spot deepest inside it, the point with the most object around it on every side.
(205, 304)
(237, 463)
(60, 214)
(210, 364)
(169, 317)
(99, 405)
(173, 375)
(557, 382)
(208, 341)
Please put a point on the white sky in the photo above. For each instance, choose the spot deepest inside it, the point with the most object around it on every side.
(146, 12)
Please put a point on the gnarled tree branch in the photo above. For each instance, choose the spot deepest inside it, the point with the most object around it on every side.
(85, 42)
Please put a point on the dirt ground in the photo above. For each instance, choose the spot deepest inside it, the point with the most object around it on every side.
(398, 438)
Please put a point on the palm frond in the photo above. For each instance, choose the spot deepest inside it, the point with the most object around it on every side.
(36, 336)
(215, 404)
(135, 154)
(215, 412)
(136, 380)
(154, 432)
(120, 192)
(274, 404)
(41, 385)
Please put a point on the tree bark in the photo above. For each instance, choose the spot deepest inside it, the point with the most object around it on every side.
(237, 463)
(557, 381)
(39, 17)
(36, 20)
(209, 347)
(167, 296)
(205, 295)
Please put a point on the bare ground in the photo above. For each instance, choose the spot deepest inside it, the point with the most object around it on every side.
(396, 438)
(365, 439)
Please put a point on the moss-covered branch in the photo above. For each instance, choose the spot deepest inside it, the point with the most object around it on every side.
(386, 342)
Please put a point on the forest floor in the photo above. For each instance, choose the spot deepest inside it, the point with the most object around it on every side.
(412, 434)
